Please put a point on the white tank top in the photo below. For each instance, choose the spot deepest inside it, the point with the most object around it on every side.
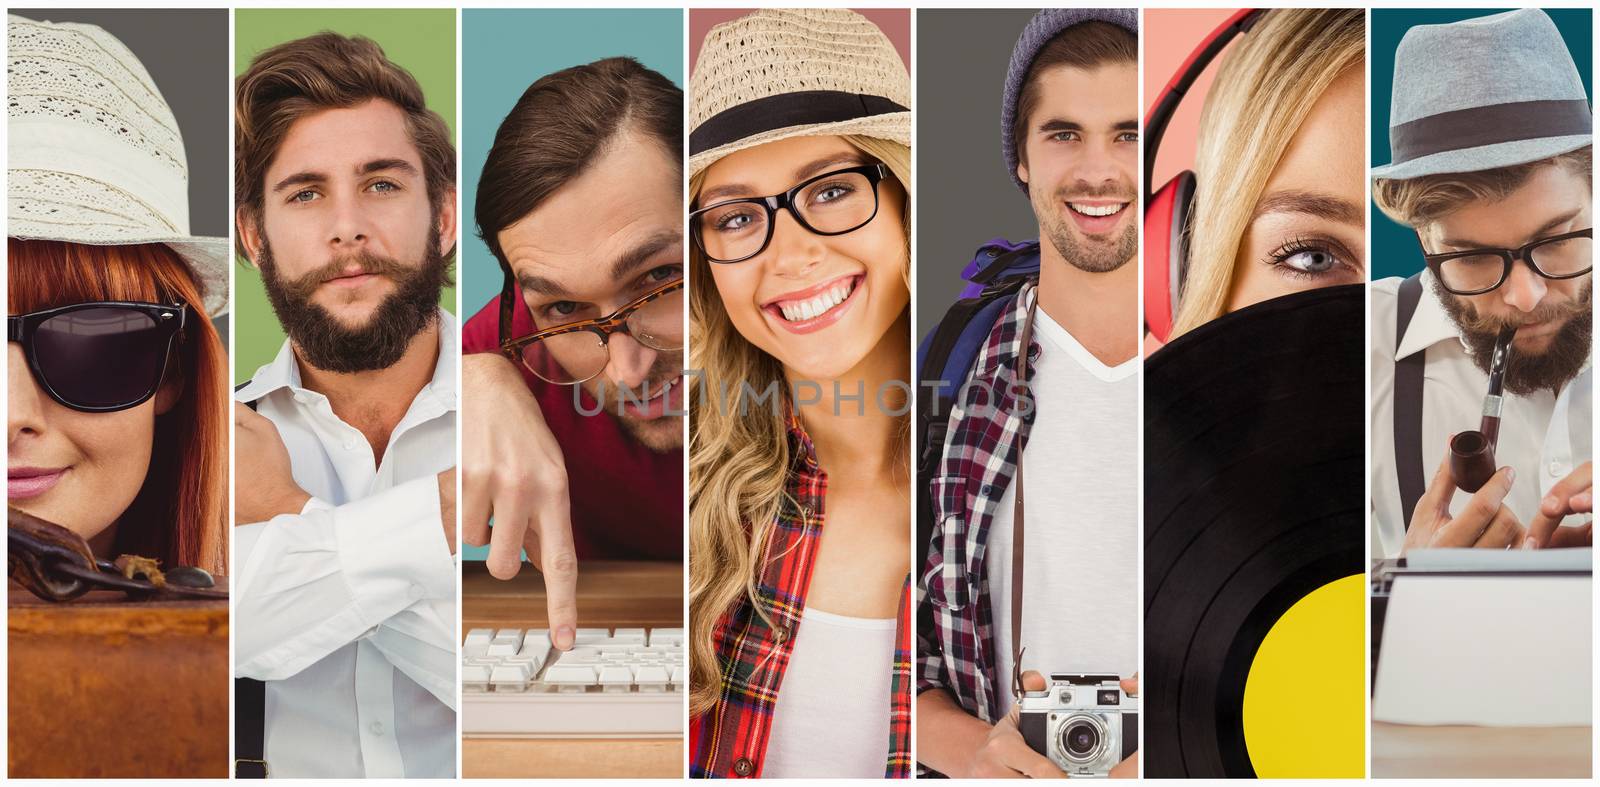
(831, 718)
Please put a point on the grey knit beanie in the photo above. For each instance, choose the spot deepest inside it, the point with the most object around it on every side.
(1045, 25)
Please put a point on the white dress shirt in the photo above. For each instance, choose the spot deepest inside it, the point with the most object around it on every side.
(1542, 436)
(347, 609)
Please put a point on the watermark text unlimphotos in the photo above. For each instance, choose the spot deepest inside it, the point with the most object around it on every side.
(979, 396)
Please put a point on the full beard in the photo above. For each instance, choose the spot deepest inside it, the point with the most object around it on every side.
(328, 344)
(1085, 254)
(660, 435)
(1528, 373)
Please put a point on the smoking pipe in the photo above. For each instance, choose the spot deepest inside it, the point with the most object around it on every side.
(1472, 453)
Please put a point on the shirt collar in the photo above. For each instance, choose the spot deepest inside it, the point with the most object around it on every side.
(803, 451)
(1429, 325)
(284, 372)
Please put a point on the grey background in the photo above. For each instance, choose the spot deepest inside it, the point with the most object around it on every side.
(186, 53)
(964, 195)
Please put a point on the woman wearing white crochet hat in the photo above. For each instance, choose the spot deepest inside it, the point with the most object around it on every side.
(800, 598)
(118, 394)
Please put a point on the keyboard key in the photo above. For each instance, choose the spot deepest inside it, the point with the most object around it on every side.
(478, 641)
(537, 641)
(510, 677)
(616, 678)
(475, 676)
(652, 678)
(668, 637)
(566, 676)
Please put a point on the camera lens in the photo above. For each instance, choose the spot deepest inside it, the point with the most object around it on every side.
(1080, 739)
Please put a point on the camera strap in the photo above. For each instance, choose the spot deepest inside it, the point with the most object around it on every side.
(1017, 519)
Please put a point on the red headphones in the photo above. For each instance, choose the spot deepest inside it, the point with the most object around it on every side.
(1167, 210)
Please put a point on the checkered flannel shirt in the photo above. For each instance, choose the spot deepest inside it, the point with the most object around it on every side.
(987, 428)
(730, 740)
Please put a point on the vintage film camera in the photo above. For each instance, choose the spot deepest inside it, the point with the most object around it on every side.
(1085, 724)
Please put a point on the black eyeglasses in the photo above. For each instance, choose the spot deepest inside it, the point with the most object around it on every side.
(1477, 271)
(833, 203)
(577, 351)
(99, 357)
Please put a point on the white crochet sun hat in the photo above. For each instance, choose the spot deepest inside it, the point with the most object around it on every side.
(780, 73)
(95, 155)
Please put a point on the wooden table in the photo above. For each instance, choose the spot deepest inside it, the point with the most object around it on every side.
(615, 594)
(1412, 751)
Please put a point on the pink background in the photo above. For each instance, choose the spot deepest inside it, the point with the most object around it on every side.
(1170, 36)
(894, 22)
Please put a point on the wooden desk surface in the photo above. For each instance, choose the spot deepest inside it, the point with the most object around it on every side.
(1412, 751)
(614, 594)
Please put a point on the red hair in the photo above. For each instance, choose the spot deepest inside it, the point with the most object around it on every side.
(180, 513)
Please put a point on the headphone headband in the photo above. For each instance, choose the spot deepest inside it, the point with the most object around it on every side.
(1161, 112)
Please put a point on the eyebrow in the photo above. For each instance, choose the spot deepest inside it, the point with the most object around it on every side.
(305, 177)
(712, 195)
(1058, 124)
(621, 267)
(1312, 204)
(1537, 234)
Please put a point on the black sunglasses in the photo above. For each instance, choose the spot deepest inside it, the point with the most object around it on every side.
(99, 357)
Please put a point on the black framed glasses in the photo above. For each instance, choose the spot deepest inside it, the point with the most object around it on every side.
(102, 356)
(832, 203)
(1477, 271)
(577, 351)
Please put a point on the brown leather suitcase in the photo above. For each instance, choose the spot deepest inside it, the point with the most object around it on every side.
(102, 686)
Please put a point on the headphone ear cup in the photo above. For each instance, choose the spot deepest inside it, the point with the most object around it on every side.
(1166, 217)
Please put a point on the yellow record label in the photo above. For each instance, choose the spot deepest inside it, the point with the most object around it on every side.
(1305, 698)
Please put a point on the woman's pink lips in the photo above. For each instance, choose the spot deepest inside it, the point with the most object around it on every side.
(26, 482)
(820, 321)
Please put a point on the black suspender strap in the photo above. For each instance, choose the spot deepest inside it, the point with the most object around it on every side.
(249, 729)
(1408, 404)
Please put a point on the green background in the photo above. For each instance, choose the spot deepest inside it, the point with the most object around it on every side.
(422, 41)
(505, 51)
(1394, 246)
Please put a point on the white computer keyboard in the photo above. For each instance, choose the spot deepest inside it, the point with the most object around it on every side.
(624, 683)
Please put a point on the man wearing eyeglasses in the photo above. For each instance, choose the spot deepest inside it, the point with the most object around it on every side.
(1492, 168)
(572, 378)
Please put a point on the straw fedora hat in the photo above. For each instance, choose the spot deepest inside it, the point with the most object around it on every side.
(775, 74)
(1484, 93)
(94, 152)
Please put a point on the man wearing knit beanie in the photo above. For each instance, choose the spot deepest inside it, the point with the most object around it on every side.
(1070, 138)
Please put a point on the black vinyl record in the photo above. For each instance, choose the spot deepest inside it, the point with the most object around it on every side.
(1254, 497)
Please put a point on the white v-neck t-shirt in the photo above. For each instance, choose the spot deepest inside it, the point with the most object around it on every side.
(1081, 594)
(831, 719)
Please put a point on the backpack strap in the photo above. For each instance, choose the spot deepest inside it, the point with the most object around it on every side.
(1408, 381)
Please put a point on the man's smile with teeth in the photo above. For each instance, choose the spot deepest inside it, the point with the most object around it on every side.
(1097, 210)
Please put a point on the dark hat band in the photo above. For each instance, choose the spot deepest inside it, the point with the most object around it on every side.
(785, 110)
(1476, 127)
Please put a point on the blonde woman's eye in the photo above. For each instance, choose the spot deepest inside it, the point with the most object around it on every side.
(1305, 259)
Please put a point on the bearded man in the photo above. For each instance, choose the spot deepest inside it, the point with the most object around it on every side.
(345, 453)
(1492, 170)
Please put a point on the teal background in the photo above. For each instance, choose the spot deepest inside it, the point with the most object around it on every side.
(505, 51)
(1394, 246)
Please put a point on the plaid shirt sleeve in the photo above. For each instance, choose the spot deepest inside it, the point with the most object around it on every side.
(987, 425)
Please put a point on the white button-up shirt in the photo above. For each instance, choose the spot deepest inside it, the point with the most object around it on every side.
(1542, 436)
(347, 609)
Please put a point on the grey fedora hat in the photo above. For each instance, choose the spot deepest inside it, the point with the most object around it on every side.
(1484, 93)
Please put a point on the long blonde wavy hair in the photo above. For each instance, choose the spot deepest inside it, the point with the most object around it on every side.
(1267, 83)
(738, 449)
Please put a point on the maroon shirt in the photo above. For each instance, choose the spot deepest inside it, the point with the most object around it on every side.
(627, 500)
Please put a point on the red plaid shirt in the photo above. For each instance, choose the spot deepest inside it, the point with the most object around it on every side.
(730, 740)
